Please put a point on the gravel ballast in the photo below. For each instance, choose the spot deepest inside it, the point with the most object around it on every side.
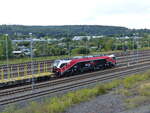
(108, 103)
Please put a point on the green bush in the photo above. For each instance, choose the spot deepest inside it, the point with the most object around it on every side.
(101, 90)
(81, 50)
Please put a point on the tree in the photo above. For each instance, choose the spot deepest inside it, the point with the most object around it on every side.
(81, 50)
(108, 44)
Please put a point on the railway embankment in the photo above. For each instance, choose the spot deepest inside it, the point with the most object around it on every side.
(126, 95)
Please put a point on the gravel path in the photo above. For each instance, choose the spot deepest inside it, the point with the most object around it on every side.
(108, 103)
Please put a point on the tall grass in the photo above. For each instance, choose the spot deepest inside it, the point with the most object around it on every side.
(130, 81)
(137, 88)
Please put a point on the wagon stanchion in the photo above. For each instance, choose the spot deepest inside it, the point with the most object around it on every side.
(2, 74)
(11, 71)
(26, 70)
(46, 67)
(18, 71)
(39, 69)
(8, 73)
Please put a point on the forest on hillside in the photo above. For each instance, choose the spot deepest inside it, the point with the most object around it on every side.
(69, 30)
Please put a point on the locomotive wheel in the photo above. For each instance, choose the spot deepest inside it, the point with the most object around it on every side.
(58, 75)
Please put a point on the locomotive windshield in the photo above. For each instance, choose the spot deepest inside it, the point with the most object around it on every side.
(114, 58)
(62, 65)
(56, 62)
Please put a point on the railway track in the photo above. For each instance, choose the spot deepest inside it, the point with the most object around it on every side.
(15, 73)
(122, 60)
(25, 69)
(76, 81)
(28, 87)
(118, 54)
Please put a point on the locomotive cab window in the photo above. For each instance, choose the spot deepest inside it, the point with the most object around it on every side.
(56, 63)
(62, 65)
(114, 58)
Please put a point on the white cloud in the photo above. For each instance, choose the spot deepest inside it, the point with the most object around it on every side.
(128, 13)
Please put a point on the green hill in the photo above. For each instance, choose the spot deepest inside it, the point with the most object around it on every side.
(68, 30)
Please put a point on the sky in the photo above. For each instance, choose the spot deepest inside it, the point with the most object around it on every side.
(126, 13)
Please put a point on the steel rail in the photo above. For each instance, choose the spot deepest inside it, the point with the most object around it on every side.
(72, 85)
(35, 70)
(50, 61)
(55, 82)
(12, 70)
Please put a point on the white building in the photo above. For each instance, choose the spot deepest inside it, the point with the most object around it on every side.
(88, 37)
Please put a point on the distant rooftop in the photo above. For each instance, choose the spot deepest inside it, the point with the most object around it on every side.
(88, 37)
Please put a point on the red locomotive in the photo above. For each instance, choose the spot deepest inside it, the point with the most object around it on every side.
(83, 64)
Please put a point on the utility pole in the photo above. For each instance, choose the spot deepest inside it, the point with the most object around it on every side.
(86, 47)
(133, 56)
(137, 47)
(6, 48)
(68, 42)
(6, 41)
(31, 57)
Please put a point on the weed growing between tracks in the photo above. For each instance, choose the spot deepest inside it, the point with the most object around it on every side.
(136, 88)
